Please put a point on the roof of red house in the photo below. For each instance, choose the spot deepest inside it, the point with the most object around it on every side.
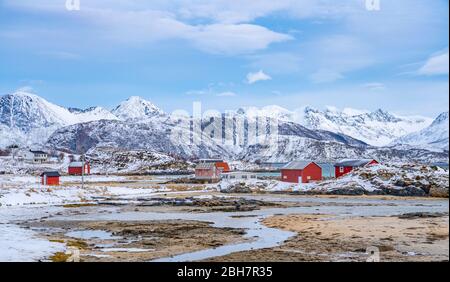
(223, 165)
(297, 165)
(51, 174)
(76, 164)
(354, 162)
(205, 166)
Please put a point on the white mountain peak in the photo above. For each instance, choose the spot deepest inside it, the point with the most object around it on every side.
(136, 107)
(26, 118)
(434, 137)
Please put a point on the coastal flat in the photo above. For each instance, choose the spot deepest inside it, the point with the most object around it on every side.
(334, 238)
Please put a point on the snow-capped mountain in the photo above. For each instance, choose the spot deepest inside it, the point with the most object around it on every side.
(136, 108)
(293, 142)
(435, 137)
(378, 128)
(26, 118)
(151, 135)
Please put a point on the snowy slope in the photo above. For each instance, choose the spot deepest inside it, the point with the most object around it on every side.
(91, 114)
(378, 128)
(27, 119)
(435, 137)
(136, 108)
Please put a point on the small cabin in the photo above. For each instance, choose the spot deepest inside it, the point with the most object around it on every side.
(346, 166)
(79, 168)
(50, 178)
(301, 172)
(207, 171)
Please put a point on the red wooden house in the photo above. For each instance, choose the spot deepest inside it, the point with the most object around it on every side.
(223, 167)
(207, 171)
(346, 166)
(78, 168)
(301, 172)
(50, 178)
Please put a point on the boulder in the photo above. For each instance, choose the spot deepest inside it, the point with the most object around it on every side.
(439, 191)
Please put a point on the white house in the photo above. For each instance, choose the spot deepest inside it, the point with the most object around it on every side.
(35, 156)
(240, 175)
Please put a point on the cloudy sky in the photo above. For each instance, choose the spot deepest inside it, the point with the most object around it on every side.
(230, 53)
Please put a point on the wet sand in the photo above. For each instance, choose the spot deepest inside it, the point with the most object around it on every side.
(135, 241)
(332, 238)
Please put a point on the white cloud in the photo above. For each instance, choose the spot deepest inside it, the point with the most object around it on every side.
(436, 65)
(227, 94)
(135, 22)
(375, 86)
(233, 38)
(254, 77)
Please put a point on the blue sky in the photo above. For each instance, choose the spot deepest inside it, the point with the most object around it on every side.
(228, 53)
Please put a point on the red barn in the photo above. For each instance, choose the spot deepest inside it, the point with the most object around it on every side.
(346, 166)
(223, 167)
(207, 171)
(301, 172)
(76, 168)
(50, 178)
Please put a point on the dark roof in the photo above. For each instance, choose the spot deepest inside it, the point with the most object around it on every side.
(297, 165)
(51, 173)
(354, 163)
(38, 152)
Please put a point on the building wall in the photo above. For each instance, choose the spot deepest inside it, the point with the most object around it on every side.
(78, 171)
(206, 174)
(290, 175)
(312, 172)
(348, 169)
(75, 170)
(51, 181)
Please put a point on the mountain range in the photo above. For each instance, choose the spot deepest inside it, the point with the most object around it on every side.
(29, 120)
(433, 137)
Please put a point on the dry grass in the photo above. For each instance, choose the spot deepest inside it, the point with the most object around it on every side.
(60, 257)
(57, 241)
(82, 245)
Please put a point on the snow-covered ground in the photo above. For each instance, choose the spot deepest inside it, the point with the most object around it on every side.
(415, 180)
(27, 190)
(19, 244)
